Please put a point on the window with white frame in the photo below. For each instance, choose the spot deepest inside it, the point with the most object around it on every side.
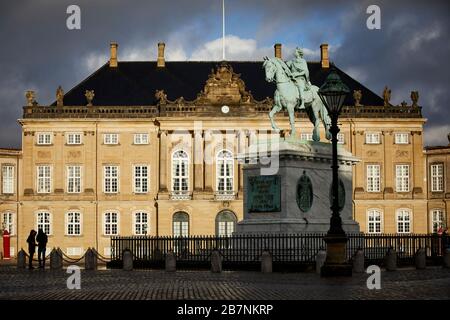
(110, 179)
(403, 221)
(373, 138)
(224, 172)
(74, 138)
(180, 224)
(402, 177)
(401, 138)
(141, 138)
(373, 178)
(225, 223)
(437, 177)
(110, 138)
(437, 220)
(341, 138)
(44, 138)
(180, 171)
(44, 179)
(374, 220)
(306, 136)
(141, 223)
(73, 223)
(140, 173)
(9, 223)
(111, 223)
(8, 179)
(73, 179)
(43, 221)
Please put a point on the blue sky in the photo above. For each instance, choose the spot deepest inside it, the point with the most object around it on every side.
(410, 52)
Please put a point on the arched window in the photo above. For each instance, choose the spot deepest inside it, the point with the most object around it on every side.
(374, 220)
(140, 219)
(437, 220)
(404, 221)
(225, 223)
(180, 171)
(111, 223)
(181, 224)
(9, 223)
(224, 171)
(73, 223)
(44, 222)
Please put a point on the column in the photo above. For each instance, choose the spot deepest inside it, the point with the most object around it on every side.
(163, 161)
(198, 161)
(209, 161)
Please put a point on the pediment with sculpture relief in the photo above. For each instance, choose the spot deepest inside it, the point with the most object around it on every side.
(223, 87)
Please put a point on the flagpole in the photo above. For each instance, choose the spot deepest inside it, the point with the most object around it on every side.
(223, 30)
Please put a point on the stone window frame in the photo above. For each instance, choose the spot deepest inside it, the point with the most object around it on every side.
(50, 221)
(135, 223)
(437, 163)
(377, 133)
(3, 166)
(117, 177)
(110, 142)
(180, 177)
(403, 222)
(67, 178)
(50, 178)
(233, 219)
(11, 221)
(104, 223)
(397, 177)
(379, 177)
(140, 134)
(74, 143)
(380, 223)
(66, 218)
(42, 134)
(142, 179)
(225, 177)
(398, 140)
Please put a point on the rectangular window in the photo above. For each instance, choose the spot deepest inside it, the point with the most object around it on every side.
(372, 138)
(437, 177)
(141, 179)
(44, 179)
(306, 136)
(111, 223)
(401, 138)
(8, 179)
(111, 179)
(341, 138)
(373, 178)
(74, 138)
(44, 138)
(403, 221)
(437, 220)
(402, 177)
(43, 222)
(374, 221)
(110, 138)
(140, 223)
(74, 179)
(141, 138)
(73, 223)
(8, 221)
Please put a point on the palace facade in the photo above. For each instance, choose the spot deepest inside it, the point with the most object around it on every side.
(149, 148)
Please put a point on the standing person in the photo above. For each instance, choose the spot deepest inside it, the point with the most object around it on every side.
(42, 246)
(31, 247)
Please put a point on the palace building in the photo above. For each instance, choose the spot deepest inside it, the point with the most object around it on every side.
(149, 148)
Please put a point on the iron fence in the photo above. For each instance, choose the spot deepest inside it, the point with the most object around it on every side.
(286, 249)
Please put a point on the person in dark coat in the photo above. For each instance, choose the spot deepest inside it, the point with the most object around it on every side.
(31, 247)
(42, 246)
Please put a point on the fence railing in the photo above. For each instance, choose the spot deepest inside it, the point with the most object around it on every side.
(285, 248)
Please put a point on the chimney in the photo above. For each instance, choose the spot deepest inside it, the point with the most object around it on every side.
(161, 63)
(324, 60)
(113, 58)
(277, 47)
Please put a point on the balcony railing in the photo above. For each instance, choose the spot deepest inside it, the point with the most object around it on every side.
(224, 195)
(181, 195)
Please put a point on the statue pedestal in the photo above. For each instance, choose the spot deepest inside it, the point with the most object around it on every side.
(287, 187)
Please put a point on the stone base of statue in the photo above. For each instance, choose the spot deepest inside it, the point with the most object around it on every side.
(287, 187)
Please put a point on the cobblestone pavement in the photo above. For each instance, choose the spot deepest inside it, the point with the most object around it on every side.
(432, 283)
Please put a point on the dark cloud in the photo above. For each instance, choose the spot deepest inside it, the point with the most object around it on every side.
(410, 52)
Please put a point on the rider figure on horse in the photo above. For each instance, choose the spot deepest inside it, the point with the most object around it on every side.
(300, 74)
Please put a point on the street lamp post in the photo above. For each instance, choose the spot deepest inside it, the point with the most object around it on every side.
(332, 94)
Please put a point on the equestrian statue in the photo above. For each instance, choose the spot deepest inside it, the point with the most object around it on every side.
(295, 91)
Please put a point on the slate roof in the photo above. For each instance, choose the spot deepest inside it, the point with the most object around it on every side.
(134, 83)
